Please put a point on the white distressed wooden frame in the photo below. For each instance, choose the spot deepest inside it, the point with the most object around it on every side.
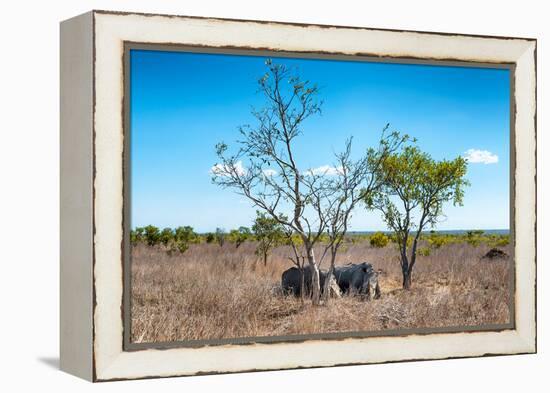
(92, 89)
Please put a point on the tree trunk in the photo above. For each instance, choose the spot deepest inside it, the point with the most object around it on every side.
(408, 267)
(326, 287)
(302, 283)
(405, 266)
(315, 281)
(407, 279)
(315, 286)
(265, 258)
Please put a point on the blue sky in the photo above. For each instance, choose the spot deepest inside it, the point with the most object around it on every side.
(182, 104)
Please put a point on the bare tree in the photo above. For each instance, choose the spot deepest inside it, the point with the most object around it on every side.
(271, 178)
(265, 169)
(354, 181)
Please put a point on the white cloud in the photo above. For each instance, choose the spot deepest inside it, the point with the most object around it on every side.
(476, 156)
(270, 172)
(324, 170)
(221, 169)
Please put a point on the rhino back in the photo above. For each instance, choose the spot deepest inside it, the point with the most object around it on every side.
(290, 278)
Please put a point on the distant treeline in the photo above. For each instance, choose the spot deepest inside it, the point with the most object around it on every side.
(180, 238)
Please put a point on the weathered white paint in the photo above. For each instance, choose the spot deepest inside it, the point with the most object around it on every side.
(112, 30)
(76, 173)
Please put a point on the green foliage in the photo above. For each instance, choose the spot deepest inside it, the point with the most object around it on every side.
(152, 235)
(173, 240)
(379, 240)
(268, 232)
(392, 237)
(324, 238)
(293, 239)
(166, 236)
(220, 236)
(424, 251)
(180, 246)
(474, 238)
(501, 242)
(398, 240)
(186, 234)
(437, 240)
(137, 235)
(418, 182)
(494, 240)
(182, 238)
(239, 236)
(414, 185)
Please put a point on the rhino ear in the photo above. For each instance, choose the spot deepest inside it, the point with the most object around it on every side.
(365, 269)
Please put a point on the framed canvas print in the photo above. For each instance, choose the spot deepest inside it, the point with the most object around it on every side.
(245, 195)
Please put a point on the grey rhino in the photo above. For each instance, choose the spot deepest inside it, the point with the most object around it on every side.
(359, 279)
(291, 280)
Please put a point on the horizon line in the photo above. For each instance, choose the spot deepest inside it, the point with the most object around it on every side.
(354, 231)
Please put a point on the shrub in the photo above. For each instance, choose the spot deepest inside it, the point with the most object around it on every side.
(474, 233)
(166, 236)
(436, 241)
(239, 236)
(501, 241)
(186, 234)
(177, 246)
(137, 235)
(379, 240)
(220, 236)
(182, 237)
(424, 251)
(152, 235)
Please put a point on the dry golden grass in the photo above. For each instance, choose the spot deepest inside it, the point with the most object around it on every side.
(213, 292)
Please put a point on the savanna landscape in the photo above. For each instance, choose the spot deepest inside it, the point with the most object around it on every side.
(216, 290)
(336, 228)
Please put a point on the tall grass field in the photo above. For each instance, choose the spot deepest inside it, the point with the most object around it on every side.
(214, 291)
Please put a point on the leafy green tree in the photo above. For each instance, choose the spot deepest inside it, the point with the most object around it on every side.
(183, 237)
(239, 236)
(152, 235)
(268, 232)
(137, 235)
(185, 234)
(412, 198)
(209, 237)
(166, 236)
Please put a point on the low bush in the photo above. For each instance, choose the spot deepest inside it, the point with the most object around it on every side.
(379, 240)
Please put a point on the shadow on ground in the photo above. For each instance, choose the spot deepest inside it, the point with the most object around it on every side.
(52, 362)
